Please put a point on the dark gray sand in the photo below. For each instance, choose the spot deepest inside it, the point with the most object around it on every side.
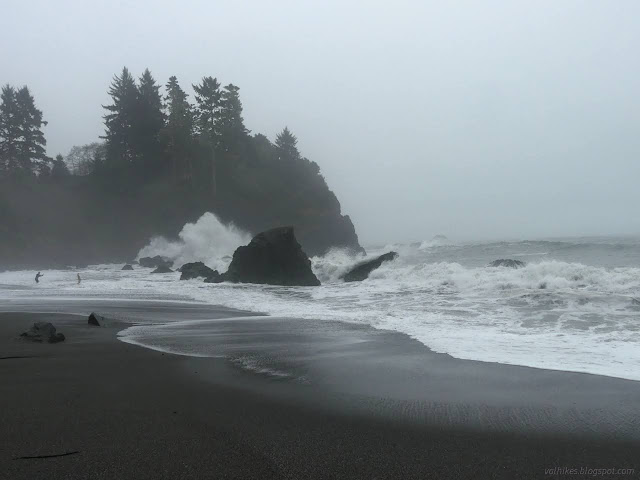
(98, 408)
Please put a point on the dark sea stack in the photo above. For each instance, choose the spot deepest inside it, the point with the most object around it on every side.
(42, 331)
(95, 320)
(162, 269)
(362, 270)
(155, 262)
(195, 270)
(273, 257)
(507, 263)
(127, 267)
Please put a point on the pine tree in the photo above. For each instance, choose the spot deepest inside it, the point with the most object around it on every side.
(232, 123)
(9, 130)
(147, 124)
(59, 169)
(209, 103)
(178, 132)
(208, 124)
(119, 121)
(286, 144)
(31, 154)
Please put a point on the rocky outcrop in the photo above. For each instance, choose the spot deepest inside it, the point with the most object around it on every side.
(273, 257)
(216, 277)
(95, 320)
(195, 270)
(127, 267)
(362, 270)
(43, 332)
(155, 262)
(507, 263)
(162, 269)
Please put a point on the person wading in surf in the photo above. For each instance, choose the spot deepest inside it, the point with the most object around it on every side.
(79, 279)
(38, 275)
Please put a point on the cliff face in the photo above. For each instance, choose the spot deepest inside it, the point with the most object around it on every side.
(260, 196)
(79, 220)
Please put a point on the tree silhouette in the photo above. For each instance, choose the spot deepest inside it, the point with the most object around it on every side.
(178, 132)
(119, 133)
(286, 143)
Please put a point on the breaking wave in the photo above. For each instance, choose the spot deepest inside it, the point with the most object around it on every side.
(208, 240)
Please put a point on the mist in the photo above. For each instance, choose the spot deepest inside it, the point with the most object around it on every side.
(472, 120)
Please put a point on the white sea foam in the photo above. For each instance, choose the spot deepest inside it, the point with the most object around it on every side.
(207, 240)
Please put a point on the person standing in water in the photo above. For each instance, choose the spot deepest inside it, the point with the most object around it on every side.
(79, 279)
(38, 275)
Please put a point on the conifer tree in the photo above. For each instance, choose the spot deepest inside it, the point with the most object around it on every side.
(119, 121)
(208, 106)
(208, 124)
(286, 144)
(147, 124)
(9, 130)
(232, 123)
(31, 154)
(59, 168)
(178, 132)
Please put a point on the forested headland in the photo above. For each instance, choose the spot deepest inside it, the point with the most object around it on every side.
(166, 157)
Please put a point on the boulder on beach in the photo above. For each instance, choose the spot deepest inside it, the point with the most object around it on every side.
(162, 269)
(41, 332)
(362, 270)
(155, 262)
(195, 270)
(127, 267)
(507, 263)
(95, 320)
(273, 257)
(56, 338)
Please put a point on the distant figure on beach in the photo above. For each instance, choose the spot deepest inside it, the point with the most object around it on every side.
(79, 279)
(38, 275)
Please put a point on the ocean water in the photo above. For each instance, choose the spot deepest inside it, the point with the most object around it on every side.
(575, 305)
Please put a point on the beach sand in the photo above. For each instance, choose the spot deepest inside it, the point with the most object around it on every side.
(120, 411)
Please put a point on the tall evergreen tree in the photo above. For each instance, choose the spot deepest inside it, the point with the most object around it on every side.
(9, 130)
(208, 106)
(148, 122)
(178, 132)
(231, 121)
(287, 145)
(208, 124)
(119, 122)
(31, 154)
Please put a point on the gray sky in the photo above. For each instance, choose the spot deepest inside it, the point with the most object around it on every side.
(470, 119)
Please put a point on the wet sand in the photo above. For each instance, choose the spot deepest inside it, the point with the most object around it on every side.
(121, 411)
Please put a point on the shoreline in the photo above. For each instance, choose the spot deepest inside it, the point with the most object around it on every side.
(124, 407)
(478, 389)
(358, 325)
(566, 337)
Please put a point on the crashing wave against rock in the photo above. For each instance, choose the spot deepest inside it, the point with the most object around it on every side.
(361, 271)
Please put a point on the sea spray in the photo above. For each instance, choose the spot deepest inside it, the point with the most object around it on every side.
(208, 240)
(337, 261)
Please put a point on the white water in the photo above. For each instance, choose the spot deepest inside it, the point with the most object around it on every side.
(573, 307)
(207, 240)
